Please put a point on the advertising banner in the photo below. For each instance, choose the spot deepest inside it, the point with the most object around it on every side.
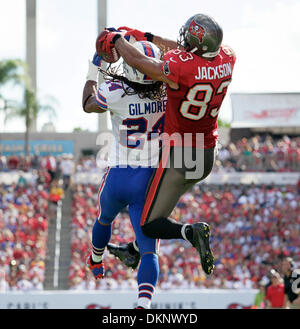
(255, 178)
(235, 178)
(175, 299)
(265, 110)
(39, 147)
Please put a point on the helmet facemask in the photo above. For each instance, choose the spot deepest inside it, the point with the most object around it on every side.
(181, 38)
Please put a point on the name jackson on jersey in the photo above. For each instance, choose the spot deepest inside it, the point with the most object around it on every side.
(212, 73)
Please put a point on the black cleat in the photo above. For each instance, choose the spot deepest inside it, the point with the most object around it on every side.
(200, 240)
(130, 259)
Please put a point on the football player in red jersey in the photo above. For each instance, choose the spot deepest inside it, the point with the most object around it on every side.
(197, 74)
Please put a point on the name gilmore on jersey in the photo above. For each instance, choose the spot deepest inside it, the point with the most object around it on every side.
(147, 108)
(212, 73)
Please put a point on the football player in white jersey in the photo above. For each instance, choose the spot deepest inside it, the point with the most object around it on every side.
(137, 105)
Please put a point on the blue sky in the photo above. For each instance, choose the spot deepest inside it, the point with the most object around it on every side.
(264, 33)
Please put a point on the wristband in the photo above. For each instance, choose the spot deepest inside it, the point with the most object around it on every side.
(92, 72)
(86, 100)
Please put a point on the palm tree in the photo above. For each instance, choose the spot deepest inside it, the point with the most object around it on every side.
(29, 110)
(9, 73)
(31, 107)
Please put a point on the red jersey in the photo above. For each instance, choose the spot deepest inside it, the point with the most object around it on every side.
(194, 107)
(275, 294)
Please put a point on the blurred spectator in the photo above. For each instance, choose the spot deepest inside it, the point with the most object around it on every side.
(56, 192)
(275, 292)
(44, 178)
(87, 164)
(24, 283)
(4, 286)
(259, 301)
(67, 168)
(50, 165)
(13, 162)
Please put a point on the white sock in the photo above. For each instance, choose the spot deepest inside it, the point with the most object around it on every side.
(146, 291)
(97, 254)
(96, 259)
(144, 302)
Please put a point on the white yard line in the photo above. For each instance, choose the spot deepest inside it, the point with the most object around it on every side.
(57, 244)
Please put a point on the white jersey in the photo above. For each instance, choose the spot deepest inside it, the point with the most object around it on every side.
(136, 125)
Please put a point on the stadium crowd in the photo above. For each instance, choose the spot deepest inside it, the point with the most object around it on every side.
(252, 229)
(258, 153)
(26, 206)
(23, 236)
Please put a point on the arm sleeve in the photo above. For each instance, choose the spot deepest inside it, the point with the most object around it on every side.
(101, 96)
(109, 94)
(228, 51)
(171, 66)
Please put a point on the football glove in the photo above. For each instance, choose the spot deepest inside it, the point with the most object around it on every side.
(110, 40)
(123, 30)
(139, 35)
(112, 29)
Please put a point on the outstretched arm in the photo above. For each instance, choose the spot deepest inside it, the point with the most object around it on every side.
(164, 44)
(89, 103)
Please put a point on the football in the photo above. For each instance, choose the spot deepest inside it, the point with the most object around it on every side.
(110, 57)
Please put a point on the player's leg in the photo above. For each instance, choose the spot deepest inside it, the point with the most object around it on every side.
(149, 268)
(165, 190)
(168, 184)
(129, 254)
(135, 195)
(108, 208)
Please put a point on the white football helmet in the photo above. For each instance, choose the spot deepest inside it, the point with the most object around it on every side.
(148, 49)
